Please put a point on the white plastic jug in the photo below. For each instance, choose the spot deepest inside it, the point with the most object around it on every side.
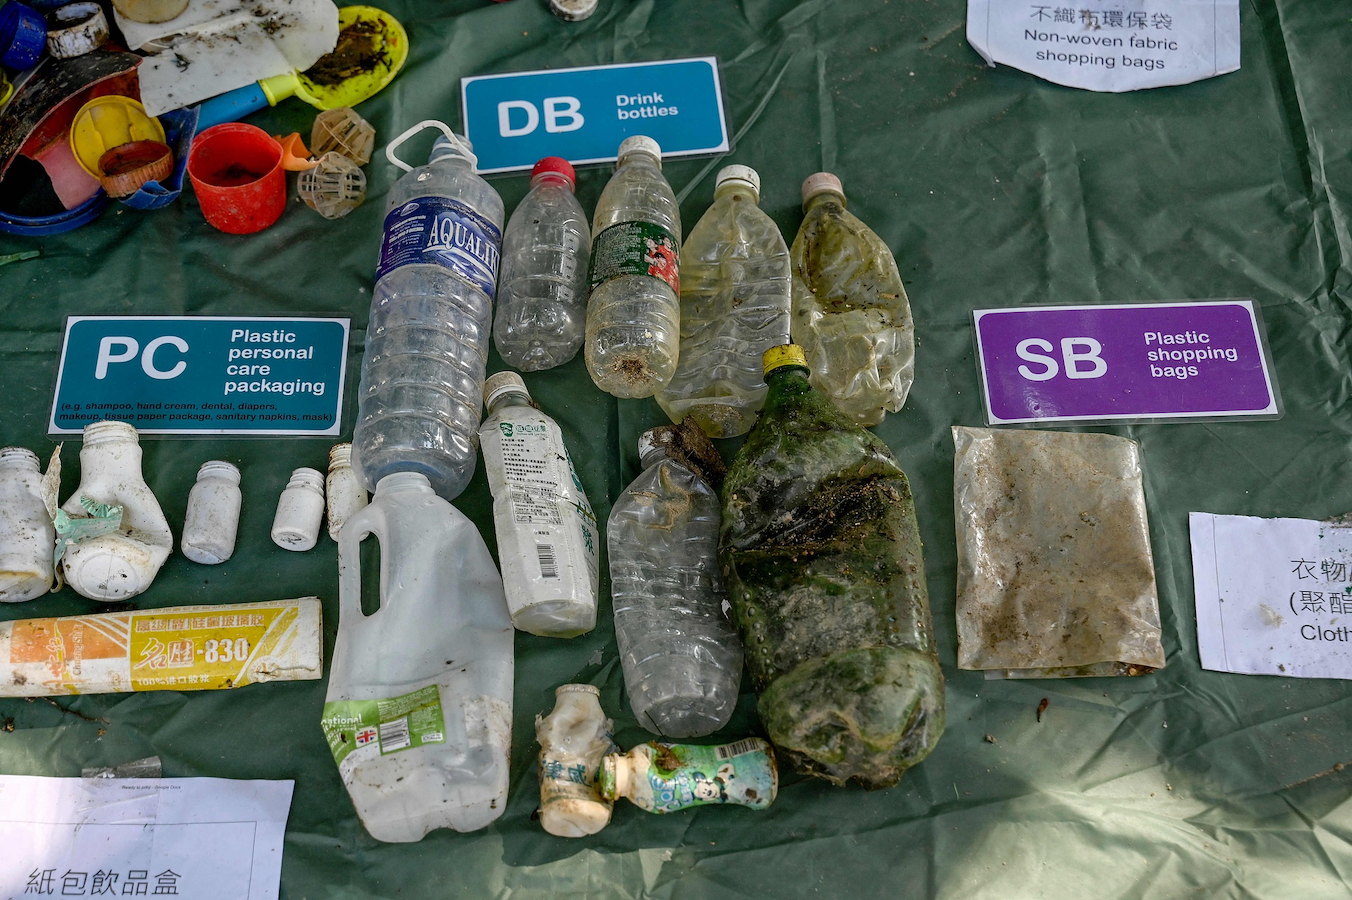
(419, 707)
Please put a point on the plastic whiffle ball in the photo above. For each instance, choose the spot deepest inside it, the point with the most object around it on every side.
(334, 187)
(343, 131)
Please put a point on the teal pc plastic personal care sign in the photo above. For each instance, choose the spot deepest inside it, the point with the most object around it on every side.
(583, 114)
(202, 374)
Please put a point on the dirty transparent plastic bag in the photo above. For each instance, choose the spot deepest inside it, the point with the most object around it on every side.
(1055, 573)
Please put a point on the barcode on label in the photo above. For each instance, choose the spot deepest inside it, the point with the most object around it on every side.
(549, 563)
(745, 745)
(394, 735)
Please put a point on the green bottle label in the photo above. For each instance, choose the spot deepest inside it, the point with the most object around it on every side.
(636, 248)
(359, 730)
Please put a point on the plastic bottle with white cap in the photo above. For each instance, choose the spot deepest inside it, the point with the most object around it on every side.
(300, 511)
(574, 738)
(734, 307)
(851, 315)
(212, 520)
(120, 564)
(541, 310)
(634, 315)
(547, 533)
(26, 533)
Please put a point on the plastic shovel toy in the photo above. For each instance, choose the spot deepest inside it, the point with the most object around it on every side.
(372, 47)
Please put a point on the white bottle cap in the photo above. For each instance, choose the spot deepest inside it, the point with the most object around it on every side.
(821, 181)
(110, 567)
(647, 446)
(743, 174)
(573, 10)
(640, 144)
(503, 383)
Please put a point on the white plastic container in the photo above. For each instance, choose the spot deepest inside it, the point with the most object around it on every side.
(300, 511)
(574, 738)
(419, 707)
(116, 566)
(547, 534)
(26, 533)
(212, 520)
(344, 492)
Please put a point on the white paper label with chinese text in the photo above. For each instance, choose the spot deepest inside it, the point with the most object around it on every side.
(1108, 45)
(1274, 596)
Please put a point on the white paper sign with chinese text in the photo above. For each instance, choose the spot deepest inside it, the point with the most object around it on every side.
(1274, 596)
(1108, 45)
(203, 838)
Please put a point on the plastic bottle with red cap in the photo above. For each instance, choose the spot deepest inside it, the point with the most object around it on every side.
(542, 292)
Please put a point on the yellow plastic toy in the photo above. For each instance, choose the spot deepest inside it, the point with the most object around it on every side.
(329, 84)
(107, 122)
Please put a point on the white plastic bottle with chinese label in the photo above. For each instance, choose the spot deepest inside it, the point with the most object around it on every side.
(418, 713)
(26, 533)
(547, 533)
(574, 738)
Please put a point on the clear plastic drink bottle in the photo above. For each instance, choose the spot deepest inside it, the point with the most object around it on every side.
(633, 316)
(734, 307)
(427, 338)
(547, 536)
(418, 713)
(542, 293)
(850, 311)
(682, 658)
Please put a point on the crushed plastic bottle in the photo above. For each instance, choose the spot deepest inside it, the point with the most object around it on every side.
(851, 315)
(542, 294)
(734, 307)
(633, 316)
(826, 577)
(681, 656)
(574, 738)
(26, 533)
(427, 337)
(660, 778)
(418, 713)
(547, 535)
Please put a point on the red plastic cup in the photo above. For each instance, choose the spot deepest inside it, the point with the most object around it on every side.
(236, 171)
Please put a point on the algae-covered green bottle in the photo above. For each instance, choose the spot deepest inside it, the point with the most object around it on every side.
(822, 559)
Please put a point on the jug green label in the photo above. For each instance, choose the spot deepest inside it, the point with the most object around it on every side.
(636, 248)
(365, 729)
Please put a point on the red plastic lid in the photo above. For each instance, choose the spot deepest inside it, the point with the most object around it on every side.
(555, 164)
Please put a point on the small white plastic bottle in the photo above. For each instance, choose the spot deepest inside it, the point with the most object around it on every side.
(26, 533)
(300, 511)
(122, 564)
(343, 489)
(547, 534)
(574, 738)
(212, 521)
(418, 713)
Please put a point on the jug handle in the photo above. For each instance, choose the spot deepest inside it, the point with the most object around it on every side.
(367, 522)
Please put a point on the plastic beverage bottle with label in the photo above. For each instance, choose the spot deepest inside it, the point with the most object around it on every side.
(660, 778)
(633, 316)
(734, 307)
(574, 738)
(850, 311)
(427, 337)
(547, 535)
(681, 656)
(542, 293)
(418, 713)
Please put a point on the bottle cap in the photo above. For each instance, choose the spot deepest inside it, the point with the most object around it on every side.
(555, 164)
(783, 355)
(640, 144)
(820, 182)
(743, 174)
(648, 446)
(573, 10)
(503, 383)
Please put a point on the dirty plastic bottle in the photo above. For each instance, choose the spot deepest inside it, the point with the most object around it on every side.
(427, 338)
(26, 533)
(547, 535)
(121, 564)
(826, 578)
(300, 511)
(681, 656)
(343, 493)
(633, 316)
(660, 778)
(734, 307)
(211, 523)
(542, 294)
(418, 713)
(850, 311)
(573, 738)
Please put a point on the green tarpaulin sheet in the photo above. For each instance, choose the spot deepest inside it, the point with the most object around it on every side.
(993, 189)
